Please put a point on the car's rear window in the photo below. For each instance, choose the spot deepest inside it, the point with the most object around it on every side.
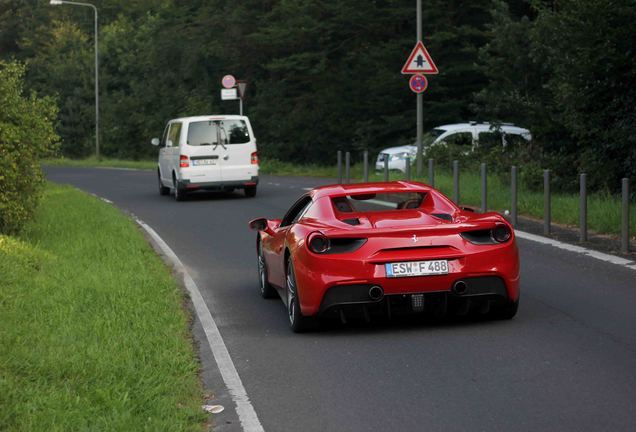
(209, 132)
(378, 202)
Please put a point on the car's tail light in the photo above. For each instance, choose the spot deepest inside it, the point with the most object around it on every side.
(254, 158)
(501, 233)
(318, 243)
(183, 161)
(321, 244)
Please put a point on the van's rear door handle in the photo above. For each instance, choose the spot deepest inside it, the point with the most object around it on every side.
(226, 157)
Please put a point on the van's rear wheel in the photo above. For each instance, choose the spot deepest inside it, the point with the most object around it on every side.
(162, 189)
(179, 194)
(250, 191)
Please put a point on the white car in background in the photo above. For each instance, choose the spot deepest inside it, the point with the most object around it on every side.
(469, 135)
(215, 152)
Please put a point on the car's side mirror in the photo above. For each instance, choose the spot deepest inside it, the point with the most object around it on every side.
(262, 224)
(155, 141)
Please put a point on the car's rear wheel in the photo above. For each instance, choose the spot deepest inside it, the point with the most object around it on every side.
(267, 291)
(179, 194)
(297, 321)
(506, 311)
(162, 189)
(250, 191)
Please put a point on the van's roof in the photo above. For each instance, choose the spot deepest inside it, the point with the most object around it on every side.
(483, 127)
(210, 117)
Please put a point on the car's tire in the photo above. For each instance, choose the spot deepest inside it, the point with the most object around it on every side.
(250, 191)
(162, 189)
(505, 311)
(297, 321)
(267, 291)
(179, 193)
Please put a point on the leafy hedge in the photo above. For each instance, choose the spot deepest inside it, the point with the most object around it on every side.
(26, 133)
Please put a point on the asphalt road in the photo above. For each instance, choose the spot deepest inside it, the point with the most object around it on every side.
(567, 362)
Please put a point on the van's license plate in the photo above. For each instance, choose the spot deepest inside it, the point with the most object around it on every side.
(416, 268)
(204, 162)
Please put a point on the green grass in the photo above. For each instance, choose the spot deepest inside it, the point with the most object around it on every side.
(93, 331)
(103, 162)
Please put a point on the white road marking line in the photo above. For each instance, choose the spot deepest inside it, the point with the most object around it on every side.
(244, 409)
(577, 249)
(307, 189)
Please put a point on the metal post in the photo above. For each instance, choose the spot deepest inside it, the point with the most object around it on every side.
(339, 166)
(347, 165)
(625, 217)
(386, 168)
(484, 187)
(547, 211)
(431, 172)
(513, 195)
(241, 106)
(420, 116)
(59, 2)
(407, 168)
(583, 207)
(456, 181)
(365, 165)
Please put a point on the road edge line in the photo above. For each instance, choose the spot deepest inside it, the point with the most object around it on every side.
(623, 262)
(244, 409)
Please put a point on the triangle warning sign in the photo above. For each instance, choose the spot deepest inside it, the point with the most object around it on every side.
(419, 62)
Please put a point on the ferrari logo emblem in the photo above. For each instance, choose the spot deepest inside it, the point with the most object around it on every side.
(414, 238)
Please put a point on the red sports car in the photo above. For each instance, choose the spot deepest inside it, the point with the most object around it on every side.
(385, 248)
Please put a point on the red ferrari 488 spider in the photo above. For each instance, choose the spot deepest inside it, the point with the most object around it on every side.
(386, 248)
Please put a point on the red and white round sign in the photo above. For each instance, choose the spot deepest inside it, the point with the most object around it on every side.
(228, 81)
(418, 83)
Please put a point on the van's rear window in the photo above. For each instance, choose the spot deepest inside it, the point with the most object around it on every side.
(378, 202)
(209, 132)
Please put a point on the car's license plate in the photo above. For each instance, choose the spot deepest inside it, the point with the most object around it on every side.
(416, 268)
(204, 162)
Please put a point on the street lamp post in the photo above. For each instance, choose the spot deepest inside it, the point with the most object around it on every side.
(59, 2)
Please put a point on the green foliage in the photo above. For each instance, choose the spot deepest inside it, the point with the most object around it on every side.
(26, 134)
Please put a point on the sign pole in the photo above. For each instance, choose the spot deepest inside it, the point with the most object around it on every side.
(420, 113)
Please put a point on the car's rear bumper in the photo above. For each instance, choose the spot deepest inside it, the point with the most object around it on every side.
(493, 273)
(189, 184)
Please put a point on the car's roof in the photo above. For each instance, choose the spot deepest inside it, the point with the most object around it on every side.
(482, 127)
(400, 149)
(362, 188)
(209, 117)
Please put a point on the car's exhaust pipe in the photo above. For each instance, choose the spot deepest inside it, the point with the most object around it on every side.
(460, 287)
(376, 293)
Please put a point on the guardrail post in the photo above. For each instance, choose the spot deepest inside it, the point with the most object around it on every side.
(431, 172)
(625, 217)
(513, 195)
(339, 166)
(347, 167)
(547, 211)
(456, 181)
(583, 207)
(386, 167)
(407, 168)
(484, 187)
(365, 165)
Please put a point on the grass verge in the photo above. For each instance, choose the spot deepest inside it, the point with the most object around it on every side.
(102, 162)
(93, 333)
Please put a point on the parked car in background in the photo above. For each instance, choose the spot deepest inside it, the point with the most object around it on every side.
(468, 135)
(207, 153)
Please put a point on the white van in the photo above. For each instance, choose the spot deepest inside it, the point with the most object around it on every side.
(215, 152)
(468, 135)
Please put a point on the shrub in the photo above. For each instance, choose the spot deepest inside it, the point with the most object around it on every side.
(26, 134)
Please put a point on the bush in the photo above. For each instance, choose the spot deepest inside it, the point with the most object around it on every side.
(26, 134)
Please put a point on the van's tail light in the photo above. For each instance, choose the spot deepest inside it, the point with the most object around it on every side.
(254, 159)
(183, 161)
